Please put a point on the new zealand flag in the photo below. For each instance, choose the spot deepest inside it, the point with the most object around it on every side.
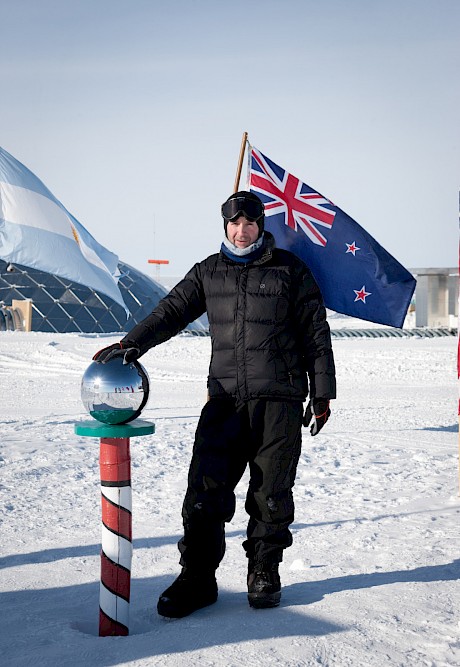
(356, 275)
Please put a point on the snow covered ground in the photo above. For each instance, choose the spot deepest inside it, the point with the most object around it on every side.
(371, 580)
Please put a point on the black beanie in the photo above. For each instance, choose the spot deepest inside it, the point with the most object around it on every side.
(245, 194)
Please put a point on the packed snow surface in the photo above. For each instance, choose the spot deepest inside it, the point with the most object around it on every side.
(371, 580)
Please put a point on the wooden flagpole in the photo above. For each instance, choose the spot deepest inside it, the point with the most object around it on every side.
(240, 162)
(238, 173)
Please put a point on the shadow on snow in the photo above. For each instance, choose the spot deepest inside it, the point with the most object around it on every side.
(86, 550)
(63, 621)
(446, 429)
(308, 593)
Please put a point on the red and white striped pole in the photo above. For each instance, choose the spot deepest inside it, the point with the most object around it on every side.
(117, 547)
(116, 494)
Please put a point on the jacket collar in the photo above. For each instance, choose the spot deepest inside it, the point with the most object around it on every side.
(269, 245)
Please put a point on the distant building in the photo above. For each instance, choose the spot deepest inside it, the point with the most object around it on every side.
(436, 296)
(60, 305)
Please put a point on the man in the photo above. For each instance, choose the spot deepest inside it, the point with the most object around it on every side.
(270, 341)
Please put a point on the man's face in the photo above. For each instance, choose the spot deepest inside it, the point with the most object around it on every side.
(241, 232)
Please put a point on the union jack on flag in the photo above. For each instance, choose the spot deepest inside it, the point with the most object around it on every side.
(355, 274)
(284, 193)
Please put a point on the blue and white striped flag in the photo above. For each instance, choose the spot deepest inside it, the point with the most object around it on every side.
(37, 231)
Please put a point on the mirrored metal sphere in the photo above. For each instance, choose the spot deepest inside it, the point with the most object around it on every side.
(115, 393)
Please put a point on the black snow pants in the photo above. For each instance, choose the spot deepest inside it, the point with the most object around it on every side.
(264, 433)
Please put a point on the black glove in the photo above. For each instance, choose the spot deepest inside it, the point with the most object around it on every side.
(129, 353)
(319, 409)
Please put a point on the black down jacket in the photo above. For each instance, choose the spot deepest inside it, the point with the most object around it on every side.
(267, 322)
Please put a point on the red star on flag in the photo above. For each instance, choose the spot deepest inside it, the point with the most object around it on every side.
(361, 294)
(352, 247)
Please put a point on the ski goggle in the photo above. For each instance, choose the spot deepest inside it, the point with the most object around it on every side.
(233, 208)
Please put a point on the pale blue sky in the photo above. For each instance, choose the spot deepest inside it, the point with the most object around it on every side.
(132, 113)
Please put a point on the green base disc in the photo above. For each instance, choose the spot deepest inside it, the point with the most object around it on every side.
(96, 429)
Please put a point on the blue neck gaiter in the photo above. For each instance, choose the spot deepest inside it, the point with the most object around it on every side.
(243, 255)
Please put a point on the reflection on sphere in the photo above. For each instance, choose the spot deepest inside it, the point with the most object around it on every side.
(115, 393)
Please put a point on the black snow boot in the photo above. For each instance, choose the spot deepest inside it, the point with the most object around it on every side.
(192, 590)
(264, 585)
